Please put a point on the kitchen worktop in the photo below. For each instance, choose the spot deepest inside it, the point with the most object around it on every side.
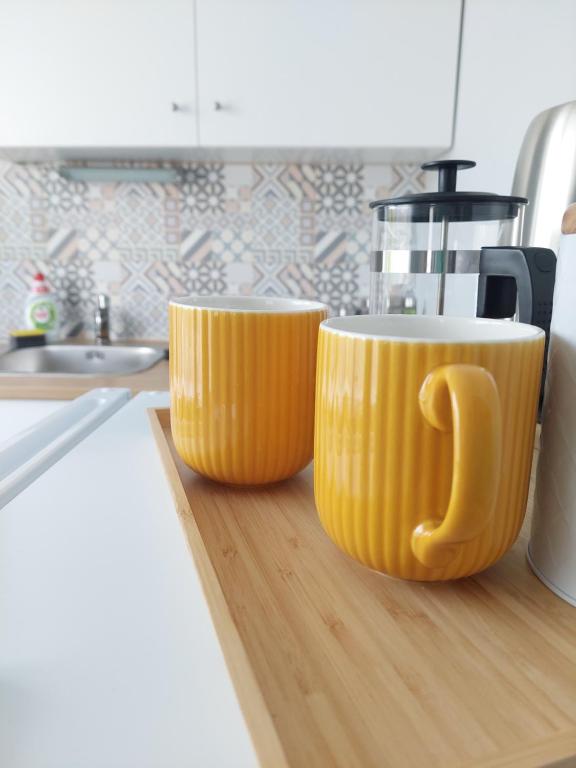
(62, 387)
(108, 656)
(337, 665)
(107, 631)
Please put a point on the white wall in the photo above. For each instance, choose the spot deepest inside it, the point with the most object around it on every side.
(518, 58)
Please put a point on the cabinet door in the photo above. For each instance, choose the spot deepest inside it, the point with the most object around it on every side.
(97, 73)
(327, 73)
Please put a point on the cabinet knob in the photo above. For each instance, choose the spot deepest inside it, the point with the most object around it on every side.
(177, 107)
(218, 106)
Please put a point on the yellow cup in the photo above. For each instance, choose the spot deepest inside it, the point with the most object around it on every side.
(423, 441)
(242, 375)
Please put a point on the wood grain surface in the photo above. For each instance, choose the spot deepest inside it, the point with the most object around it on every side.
(336, 665)
(569, 220)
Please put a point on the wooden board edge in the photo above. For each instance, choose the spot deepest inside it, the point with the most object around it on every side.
(40, 392)
(558, 751)
(252, 703)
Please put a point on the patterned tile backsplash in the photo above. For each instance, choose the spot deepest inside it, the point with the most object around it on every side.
(277, 230)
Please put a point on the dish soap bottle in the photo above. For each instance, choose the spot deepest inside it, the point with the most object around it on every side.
(41, 311)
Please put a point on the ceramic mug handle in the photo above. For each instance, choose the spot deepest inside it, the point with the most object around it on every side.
(462, 399)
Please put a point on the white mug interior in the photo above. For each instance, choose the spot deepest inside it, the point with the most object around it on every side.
(248, 304)
(432, 329)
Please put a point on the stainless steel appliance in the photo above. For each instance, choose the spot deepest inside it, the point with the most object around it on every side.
(458, 253)
(546, 174)
(552, 548)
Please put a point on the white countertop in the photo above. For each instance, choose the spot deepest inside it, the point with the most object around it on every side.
(108, 656)
(16, 415)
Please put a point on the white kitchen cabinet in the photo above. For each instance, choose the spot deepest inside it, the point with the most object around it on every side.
(97, 74)
(493, 114)
(235, 79)
(327, 74)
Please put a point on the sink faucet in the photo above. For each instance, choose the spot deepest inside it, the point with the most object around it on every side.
(102, 319)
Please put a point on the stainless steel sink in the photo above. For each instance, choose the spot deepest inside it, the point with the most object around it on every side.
(80, 360)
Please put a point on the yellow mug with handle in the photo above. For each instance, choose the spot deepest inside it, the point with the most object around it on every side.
(424, 432)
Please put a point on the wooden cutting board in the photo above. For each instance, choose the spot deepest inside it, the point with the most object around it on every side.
(336, 665)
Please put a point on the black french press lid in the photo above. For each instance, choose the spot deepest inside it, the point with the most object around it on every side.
(451, 205)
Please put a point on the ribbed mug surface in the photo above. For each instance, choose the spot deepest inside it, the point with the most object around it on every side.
(382, 469)
(242, 376)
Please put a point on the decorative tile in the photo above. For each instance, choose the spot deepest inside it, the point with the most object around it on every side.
(394, 180)
(99, 242)
(267, 280)
(101, 198)
(172, 223)
(299, 181)
(275, 213)
(411, 178)
(233, 244)
(358, 245)
(149, 270)
(108, 276)
(145, 190)
(266, 177)
(330, 248)
(20, 181)
(12, 310)
(274, 229)
(283, 256)
(39, 219)
(76, 286)
(339, 192)
(238, 176)
(203, 190)
(337, 272)
(239, 277)
(307, 226)
(283, 273)
(239, 182)
(363, 274)
(295, 181)
(275, 221)
(206, 277)
(195, 246)
(338, 284)
(16, 221)
(203, 272)
(299, 280)
(139, 315)
(141, 209)
(70, 274)
(64, 202)
(18, 265)
(12, 292)
(358, 251)
(21, 254)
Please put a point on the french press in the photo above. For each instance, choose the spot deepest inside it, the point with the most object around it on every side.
(457, 253)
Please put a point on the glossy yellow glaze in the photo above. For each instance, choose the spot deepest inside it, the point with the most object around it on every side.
(423, 450)
(242, 391)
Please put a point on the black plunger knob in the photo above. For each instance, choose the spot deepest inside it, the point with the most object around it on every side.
(447, 170)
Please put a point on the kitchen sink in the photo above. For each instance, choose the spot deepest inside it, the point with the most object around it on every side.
(80, 359)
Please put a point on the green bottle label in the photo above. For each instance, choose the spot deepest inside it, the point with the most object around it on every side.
(43, 315)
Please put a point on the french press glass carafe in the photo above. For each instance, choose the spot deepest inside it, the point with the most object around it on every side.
(456, 253)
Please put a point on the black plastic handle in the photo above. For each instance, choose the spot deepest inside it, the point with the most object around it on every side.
(523, 274)
(447, 172)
